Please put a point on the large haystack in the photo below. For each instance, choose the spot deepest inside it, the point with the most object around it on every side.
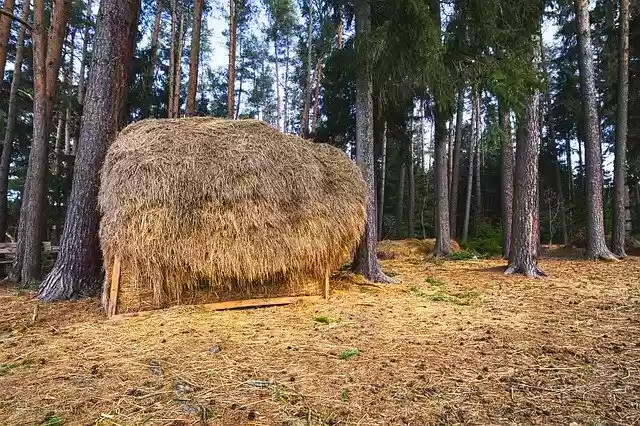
(225, 208)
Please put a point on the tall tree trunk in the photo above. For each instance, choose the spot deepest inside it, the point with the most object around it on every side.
(455, 167)
(85, 52)
(153, 57)
(195, 57)
(285, 109)
(307, 92)
(316, 97)
(46, 66)
(443, 234)
(231, 72)
(172, 59)
(400, 206)
(178, 69)
(68, 81)
(450, 145)
(76, 269)
(524, 243)
(471, 153)
(411, 213)
(12, 117)
(478, 143)
(620, 167)
(596, 244)
(366, 261)
(383, 178)
(278, 96)
(239, 101)
(5, 31)
(57, 147)
(506, 179)
(569, 185)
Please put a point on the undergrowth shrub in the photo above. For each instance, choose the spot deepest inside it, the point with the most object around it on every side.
(487, 239)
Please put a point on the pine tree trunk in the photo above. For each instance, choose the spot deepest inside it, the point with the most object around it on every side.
(366, 261)
(194, 58)
(75, 273)
(57, 147)
(178, 69)
(383, 179)
(172, 59)
(278, 97)
(620, 167)
(5, 32)
(307, 92)
(455, 168)
(569, 186)
(506, 180)
(340, 24)
(316, 97)
(153, 57)
(411, 213)
(478, 143)
(285, 109)
(450, 145)
(443, 234)
(596, 244)
(400, 191)
(85, 52)
(524, 244)
(231, 72)
(239, 101)
(12, 117)
(46, 66)
(471, 153)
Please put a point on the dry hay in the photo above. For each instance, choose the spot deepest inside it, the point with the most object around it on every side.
(411, 249)
(224, 206)
(552, 351)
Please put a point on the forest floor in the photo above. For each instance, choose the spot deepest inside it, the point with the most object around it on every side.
(455, 342)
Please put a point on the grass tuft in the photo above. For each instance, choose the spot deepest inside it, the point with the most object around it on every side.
(349, 353)
(323, 319)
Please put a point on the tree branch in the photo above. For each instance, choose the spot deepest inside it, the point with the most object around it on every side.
(15, 18)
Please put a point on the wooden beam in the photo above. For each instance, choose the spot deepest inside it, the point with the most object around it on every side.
(234, 304)
(326, 284)
(114, 288)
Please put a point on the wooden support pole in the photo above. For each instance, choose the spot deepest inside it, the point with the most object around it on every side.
(326, 284)
(235, 304)
(114, 288)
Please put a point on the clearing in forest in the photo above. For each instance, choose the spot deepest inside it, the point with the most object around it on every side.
(456, 342)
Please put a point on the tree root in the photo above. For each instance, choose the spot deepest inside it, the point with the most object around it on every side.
(607, 256)
(534, 272)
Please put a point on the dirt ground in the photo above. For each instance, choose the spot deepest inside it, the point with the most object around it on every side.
(455, 342)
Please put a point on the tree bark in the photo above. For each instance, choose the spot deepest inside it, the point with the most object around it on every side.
(46, 66)
(153, 57)
(307, 92)
(195, 57)
(239, 101)
(57, 146)
(471, 152)
(172, 59)
(316, 97)
(478, 164)
(455, 167)
(231, 72)
(278, 96)
(450, 145)
(178, 69)
(620, 166)
(524, 245)
(366, 261)
(383, 179)
(596, 244)
(400, 206)
(506, 179)
(340, 24)
(85, 51)
(443, 234)
(12, 117)
(5, 31)
(78, 264)
(411, 213)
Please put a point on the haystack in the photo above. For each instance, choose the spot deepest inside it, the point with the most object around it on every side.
(200, 209)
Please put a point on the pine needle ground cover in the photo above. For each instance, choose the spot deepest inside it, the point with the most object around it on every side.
(453, 343)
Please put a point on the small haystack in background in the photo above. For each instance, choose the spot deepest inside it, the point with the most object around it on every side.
(203, 209)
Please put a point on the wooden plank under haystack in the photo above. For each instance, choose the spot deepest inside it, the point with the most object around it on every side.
(204, 211)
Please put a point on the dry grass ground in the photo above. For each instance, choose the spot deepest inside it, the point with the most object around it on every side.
(453, 343)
